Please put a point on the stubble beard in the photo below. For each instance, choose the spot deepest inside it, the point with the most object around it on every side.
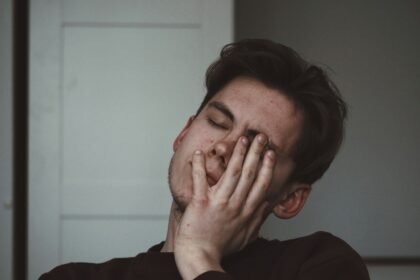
(180, 200)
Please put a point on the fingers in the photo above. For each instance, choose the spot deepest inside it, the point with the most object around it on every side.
(199, 176)
(250, 168)
(248, 175)
(259, 189)
(229, 181)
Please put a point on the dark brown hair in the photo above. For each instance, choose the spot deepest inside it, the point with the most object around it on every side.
(308, 86)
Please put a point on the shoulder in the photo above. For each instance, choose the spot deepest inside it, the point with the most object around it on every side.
(324, 256)
(315, 244)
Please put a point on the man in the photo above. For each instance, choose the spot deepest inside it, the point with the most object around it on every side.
(268, 128)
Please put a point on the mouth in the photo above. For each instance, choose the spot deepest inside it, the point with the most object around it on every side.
(210, 178)
(211, 181)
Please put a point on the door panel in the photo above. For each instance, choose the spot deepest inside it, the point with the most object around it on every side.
(111, 85)
(116, 139)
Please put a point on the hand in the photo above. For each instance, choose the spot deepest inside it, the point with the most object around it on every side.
(224, 218)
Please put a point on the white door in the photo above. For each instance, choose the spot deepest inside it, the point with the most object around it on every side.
(111, 84)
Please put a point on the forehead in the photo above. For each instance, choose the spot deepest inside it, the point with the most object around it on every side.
(255, 106)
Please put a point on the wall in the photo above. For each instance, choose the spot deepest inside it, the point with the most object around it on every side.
(5, 139)
(369, 197)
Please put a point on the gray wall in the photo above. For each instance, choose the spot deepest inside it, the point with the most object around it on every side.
(370, 195)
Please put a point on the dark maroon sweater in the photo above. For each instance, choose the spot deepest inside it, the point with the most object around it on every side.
(317, 256)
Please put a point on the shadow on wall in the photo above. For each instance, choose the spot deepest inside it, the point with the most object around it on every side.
(371, 48)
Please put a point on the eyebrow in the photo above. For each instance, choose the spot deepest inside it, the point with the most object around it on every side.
(250, 132)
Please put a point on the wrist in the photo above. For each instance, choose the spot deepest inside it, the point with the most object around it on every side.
(192, 262)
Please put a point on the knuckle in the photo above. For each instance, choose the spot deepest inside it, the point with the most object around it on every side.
(222, 203)
(264, 186)
(257, 151)
(236, 172)
(201, 200)
(247, 211)
(249, 173)
(235, 205)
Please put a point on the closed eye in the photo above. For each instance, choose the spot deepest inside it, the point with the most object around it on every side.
(215, 124)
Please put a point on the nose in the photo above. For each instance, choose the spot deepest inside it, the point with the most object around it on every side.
(221, 151)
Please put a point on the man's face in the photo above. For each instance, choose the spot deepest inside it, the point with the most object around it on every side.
(244, 107)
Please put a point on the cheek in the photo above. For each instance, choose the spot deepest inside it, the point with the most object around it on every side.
(280, 176)
(202, 142)
(195, 142)
(208, 145)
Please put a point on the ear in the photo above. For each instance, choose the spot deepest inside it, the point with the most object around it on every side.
(294, 200)
(182, 134)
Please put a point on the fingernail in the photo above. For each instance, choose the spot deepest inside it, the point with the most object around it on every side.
(271, 154)
(262, 138)
(244, 140)
(197, 152)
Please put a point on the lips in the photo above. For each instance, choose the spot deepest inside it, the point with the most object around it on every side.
(211, 181)
(212, 177)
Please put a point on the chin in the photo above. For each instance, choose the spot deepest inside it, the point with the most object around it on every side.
(181, 196)
(181, 203)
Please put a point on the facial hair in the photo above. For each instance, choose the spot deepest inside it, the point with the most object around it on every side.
(181, 201)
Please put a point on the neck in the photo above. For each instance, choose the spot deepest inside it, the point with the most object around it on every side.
(175, 216)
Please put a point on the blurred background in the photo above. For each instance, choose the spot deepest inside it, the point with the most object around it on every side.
(111, 84)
